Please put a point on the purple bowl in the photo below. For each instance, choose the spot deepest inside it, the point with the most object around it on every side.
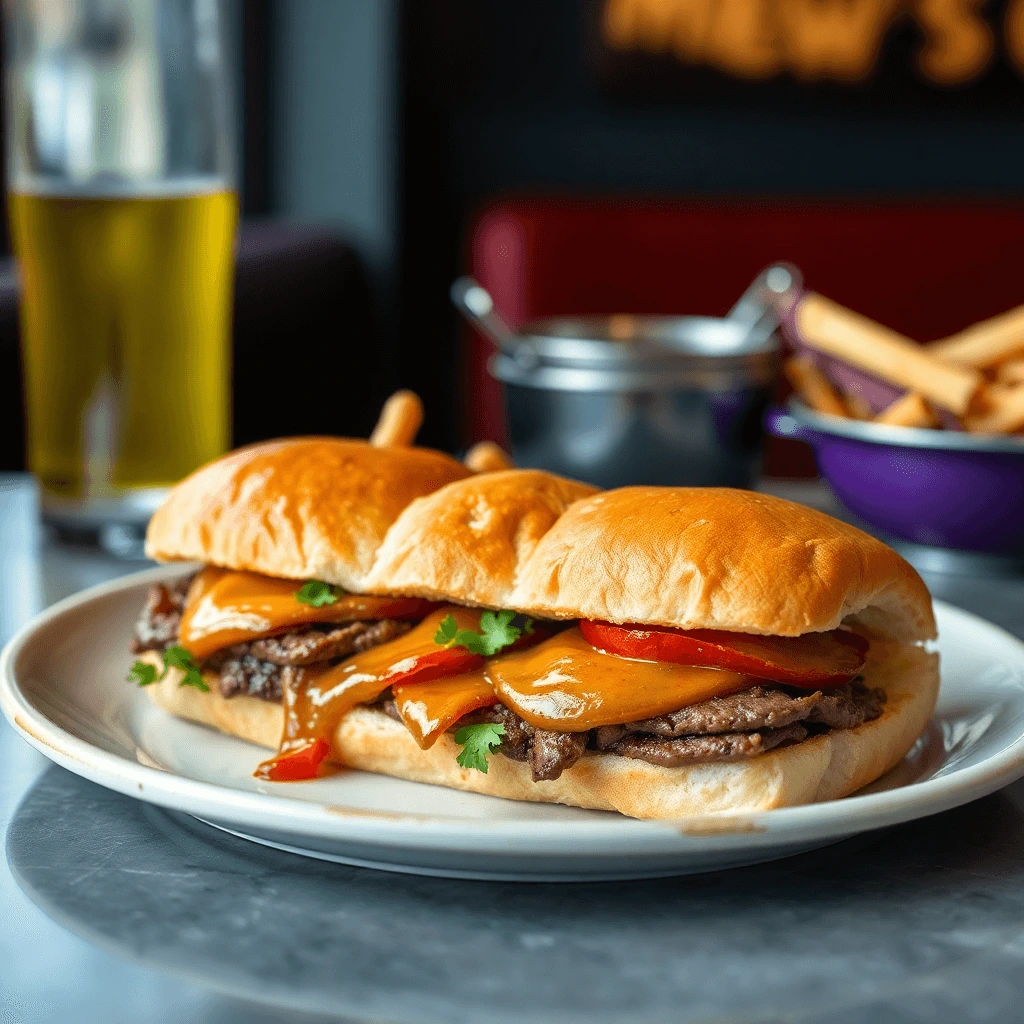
(933, 487)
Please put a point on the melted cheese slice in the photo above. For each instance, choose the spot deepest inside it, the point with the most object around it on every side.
(430, 709)
(226, 607)
(564, 684)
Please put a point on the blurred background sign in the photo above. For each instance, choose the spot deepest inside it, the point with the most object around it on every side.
(889, 52)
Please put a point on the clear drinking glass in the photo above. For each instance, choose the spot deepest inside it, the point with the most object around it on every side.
(122, 206)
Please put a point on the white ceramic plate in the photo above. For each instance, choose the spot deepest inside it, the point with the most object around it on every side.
(62, 685)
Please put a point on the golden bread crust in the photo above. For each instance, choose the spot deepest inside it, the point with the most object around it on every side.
(415, 522)
(825, 767)
(470, 540)
(717, 558)
(300, 508)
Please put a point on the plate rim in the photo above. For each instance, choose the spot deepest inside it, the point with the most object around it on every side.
(608, 834)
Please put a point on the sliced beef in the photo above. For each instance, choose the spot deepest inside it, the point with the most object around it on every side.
(757, 708)
(553, 752)
(157, 627)
(310, 645)
(732, 728)
(548, 753)
(244, 674)
(726, 746)
(254, 668)
(518, 738)
(848, 706)
(386, 703)
(740, 726)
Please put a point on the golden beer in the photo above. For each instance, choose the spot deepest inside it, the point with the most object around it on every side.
(125, 321)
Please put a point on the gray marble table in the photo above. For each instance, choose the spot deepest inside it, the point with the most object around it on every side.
(111, 910)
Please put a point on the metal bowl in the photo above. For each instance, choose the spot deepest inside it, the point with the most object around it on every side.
(627, 399)
(937, 488)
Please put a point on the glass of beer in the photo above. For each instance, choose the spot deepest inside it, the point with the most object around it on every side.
(122, 208)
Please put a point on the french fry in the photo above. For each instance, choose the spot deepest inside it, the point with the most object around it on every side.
(487, 457)
(400, 421)
(1011, 372)
(831, 328)
(985, 344)
(909, 411)
(813, 387)
(859, 409)
(997, 410)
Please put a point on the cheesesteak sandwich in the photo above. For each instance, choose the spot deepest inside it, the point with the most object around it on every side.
(655, 651)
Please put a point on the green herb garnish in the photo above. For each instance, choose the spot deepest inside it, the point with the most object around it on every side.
(178, 657)
(477, 741)
(316, 593)
(174, 657)
(496, 633)
(142, 673)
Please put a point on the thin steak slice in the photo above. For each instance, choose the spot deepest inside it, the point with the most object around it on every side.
(732, 728)
(552, 752)
(757, 708)
(254, 668)
(157, 627)
(246, 675)
(727, 746)
(548, 753)
(848, 707)
(308, 646)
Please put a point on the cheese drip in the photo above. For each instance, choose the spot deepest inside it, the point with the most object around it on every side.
(226, 607)
(316, 698)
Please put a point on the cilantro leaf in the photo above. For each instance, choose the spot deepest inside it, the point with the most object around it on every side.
(473, 642)
(496, 633)
(316, 593)
(446, 631)
(477, 741)
(449, 635)
(142, 673)
(178, 657)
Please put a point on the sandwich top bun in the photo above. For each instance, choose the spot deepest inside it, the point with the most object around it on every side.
(300, 508)
(413, 521)
(717, 558)
(470, 540)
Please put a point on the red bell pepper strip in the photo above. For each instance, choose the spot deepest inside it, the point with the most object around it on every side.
(296, 765)
(811, 660)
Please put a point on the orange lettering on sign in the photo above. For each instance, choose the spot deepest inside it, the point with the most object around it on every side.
(1014, 31)
(744, 39)
(834, 38)
(814, 39)
(958, 43)
(679, 25)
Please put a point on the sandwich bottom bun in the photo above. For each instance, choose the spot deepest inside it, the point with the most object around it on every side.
(824, 767)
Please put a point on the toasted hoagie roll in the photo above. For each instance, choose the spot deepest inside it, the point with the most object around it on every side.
(300, 508)
(654, 651)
